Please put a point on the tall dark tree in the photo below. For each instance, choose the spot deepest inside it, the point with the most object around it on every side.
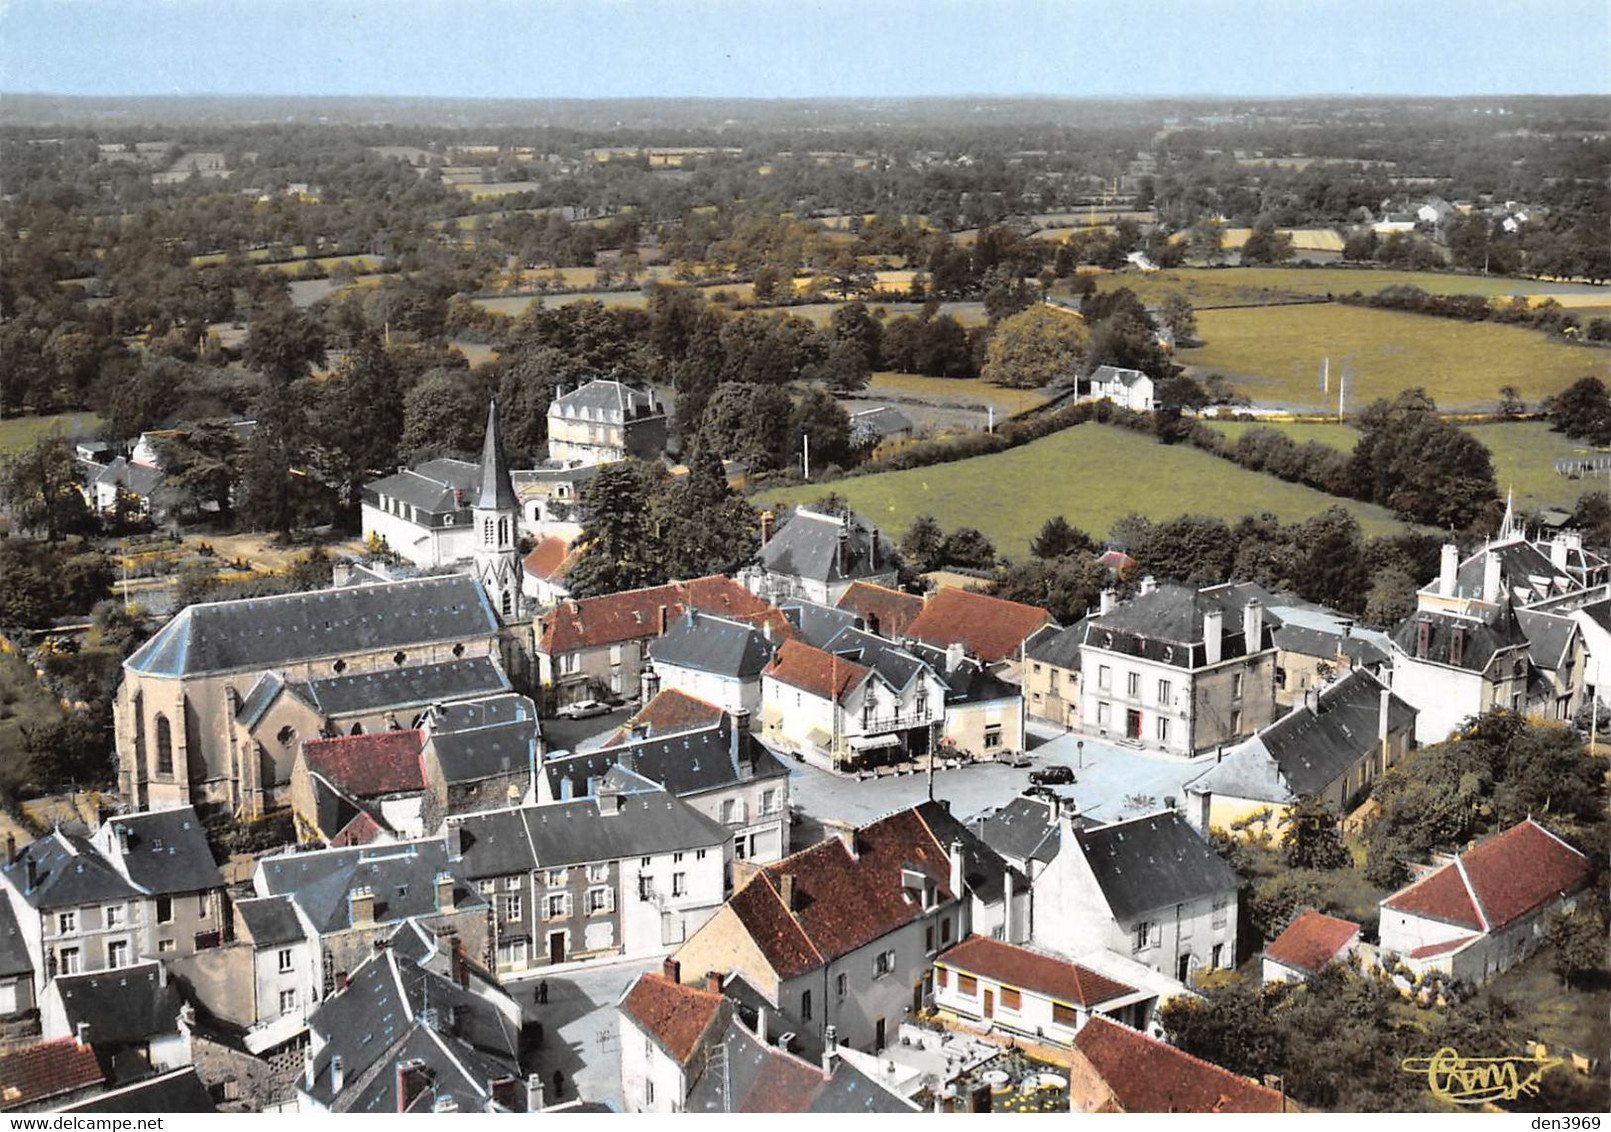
(1058, 538)
(621, 547)
(360, 417)
(40, 485)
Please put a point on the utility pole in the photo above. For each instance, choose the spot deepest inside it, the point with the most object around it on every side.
(805, 453)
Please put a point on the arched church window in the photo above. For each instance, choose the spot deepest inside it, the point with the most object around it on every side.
(164, 745)
(488, 529)
(508, 603)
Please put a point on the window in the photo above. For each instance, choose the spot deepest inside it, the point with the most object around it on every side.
(570, 663)
(1104, 714)
(164, 946)
(1236, 723)
(1063, 1014)
(1236, 686)
(1104, 677)
(728, 809)
(945, 930)
(66, 922)
(114, 915)
(992, 736)
(841, 983)
(203, 905)
(164, 745)
(1132, 684)
(598, 873)
(679, 884)
(643, 863)
(769, 801)
(1012, 999)
(928, 939)
(287, 1001)
(117, 953)
(485, 887)
(615, 654)
(599, 901)
(558, 906)
(967, 984)
(648, 1092)
(511, 906)
(1165, 693)
(805, 1006)
(883, 964)
(339, 667)
(1280, 677)
(1143, 932)
(67, 961)
(489, 531)
(398, 658)
(559, 877)
(645, 888)
(1163, 729)
(699, 854)
(738, 848)
(508, 603)
(676, 858)
(941, 977)
(1222, 913)
(512, 883)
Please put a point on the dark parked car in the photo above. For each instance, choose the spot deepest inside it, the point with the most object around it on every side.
(1055, 775)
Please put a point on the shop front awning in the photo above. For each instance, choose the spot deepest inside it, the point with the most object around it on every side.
(874, 742)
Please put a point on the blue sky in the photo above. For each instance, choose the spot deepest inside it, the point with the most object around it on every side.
(762, 48)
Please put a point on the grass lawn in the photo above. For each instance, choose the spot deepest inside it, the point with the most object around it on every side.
(24, 702)
(1273, 354)
(18, 433)
(1524, 455)
(949, 391)
(1563, 1018)
(1010, 494)
(1222, 286)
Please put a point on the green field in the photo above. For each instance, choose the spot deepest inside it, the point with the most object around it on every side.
(1524, 455)
(20, 432)
(1273, 354)
(1090, 474)
(1222, 286)
(953, 391)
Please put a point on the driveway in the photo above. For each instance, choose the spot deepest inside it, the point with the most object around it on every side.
(581, 1028)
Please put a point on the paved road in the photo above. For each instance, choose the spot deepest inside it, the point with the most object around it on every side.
(581, 1028)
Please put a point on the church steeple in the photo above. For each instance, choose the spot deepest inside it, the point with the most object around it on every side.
(497, 488)
(497, 525)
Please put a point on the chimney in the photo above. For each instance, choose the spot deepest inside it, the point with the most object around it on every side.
(444, 892)
(648, 683)
(33, 875)
(1148, 584)
(338, 1074)
(455, 840)
(1558, 548)
(1382, 716)
(954, 654)
(1213, 635)
(847, 835)
(11, 848)
(1006, 909)
(534, 1093)
(341, 573)
(1110, 598)
(665, 620)
(1423, 637)
(760, 1024)
(830, 1049)
(672, 970)
(1490, 577)
(1253, 627)
(713, 982)
(81, 1034)
(122, 832)
(361, 907)
(769, 522)
(844, 550)
(1457, 644)
(786, 891)
(461, 965)
(1447, 566)
(956, 869)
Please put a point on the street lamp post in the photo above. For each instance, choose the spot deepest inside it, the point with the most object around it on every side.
(1080, 747)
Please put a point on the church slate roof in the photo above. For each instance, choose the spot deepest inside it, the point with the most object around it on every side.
(497, 491)
(408, 686)
(258, 633)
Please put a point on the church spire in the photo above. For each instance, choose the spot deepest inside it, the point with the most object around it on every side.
(497, 489)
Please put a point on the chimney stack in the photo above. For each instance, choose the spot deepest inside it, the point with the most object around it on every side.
(455, 840)
(1383, 715)
(11, 848)
(444, 892)
(847, 835)
(1148, 584)
(1490, 577)
(760, 1025)
(844, 550)
(122, 832)
(954, 654)
(1253, 627)
(81, 1034)
(1213, 635)
(830, 1049)
(1558, 548)
(769, 522)
(361, 907)
(672, 970)
(956, 869)
(713, 982)
(1006, 909)
(338, 1074)
(786, 891)
(534, 1092)
(1110, 598)
(1448, 564)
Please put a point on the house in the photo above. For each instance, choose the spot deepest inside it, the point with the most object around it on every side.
(119, 479)
(714, 659)
(545, 569)
(1024, 832)
(883, 424)
(351, 897)
(1149, 887)
(1315, 645)
(836, 940)
(211, 709)
(480, 754)
(178, 1090)
(670, 712)
(627, 872)
(992, 629)
(722, 771)
(449, 512)
(817, 556)
(47, 1075)
(417, 1028)
(134, 1018)
(1128, 388)
(698, 1054)
(550, 494)
(1178, 668)
(1121, 1070)
(861, 702)
(74, 911)
(1434, 212)
(381, 775)
(1312, 940)
(1051, 674)
(1341, 740)
(883, 612)
(605, 421)
(1484, 911)
(1040, 996)
(167, 856)
(816, 624)
(597, 647)
(984, 714)
(17, 981)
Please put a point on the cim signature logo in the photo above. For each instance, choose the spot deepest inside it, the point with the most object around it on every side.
(1479, 1080)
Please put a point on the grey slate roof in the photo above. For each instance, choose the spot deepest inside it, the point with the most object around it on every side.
(1548, 636)
(409, 686)
(969, 682)
(1310, 747)
(606, 400)
(437, 487)
(69, 872)
(490, 738)
(706, 643)
(898, 665)
(13, 948)
(1166, 625)
(123, 1007)
(1500, 629)
(177, 1091)
(497, 491)
(818, 624)
(402, 877)
(167, 851)
(271, 920)
(1526, 574)
(1107, 374)
(690, 762)
(763, 1078)
(258, 633)
(885, 420)
(984, 870)
(1057, 647)
(505, 842)
(807, 546)
(1025, 829)
(141, 479)
(1305, 641)
(1153, 862)
(260, 698)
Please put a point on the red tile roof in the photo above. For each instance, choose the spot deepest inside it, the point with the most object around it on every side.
(382, 762)
(634, 615)
(550, 558)
(677, 1016)
(813, 670)
(361, 830)
(1497, 881)
(1432, 949)
(990, 628)
(783, 1084)
(1031, 971)
(842, 902)
(1145, 1075)
(47, 1069)
(892, 610)
(670, 712)
(1311, 941)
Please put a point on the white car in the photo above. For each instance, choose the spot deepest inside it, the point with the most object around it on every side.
(584, 709)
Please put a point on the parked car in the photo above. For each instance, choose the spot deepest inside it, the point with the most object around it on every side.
(1013, 758)
(584, 709)
(1054, 775)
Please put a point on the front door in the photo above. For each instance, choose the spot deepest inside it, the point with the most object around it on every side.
(556, 947)
(989, 1003)
(878, 1035)
(1132, 724)
(1185, 968)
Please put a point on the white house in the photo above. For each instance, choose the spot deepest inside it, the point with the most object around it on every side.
(1127, 388)
(668, 1030)
(715, 659)
(1306, 945)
